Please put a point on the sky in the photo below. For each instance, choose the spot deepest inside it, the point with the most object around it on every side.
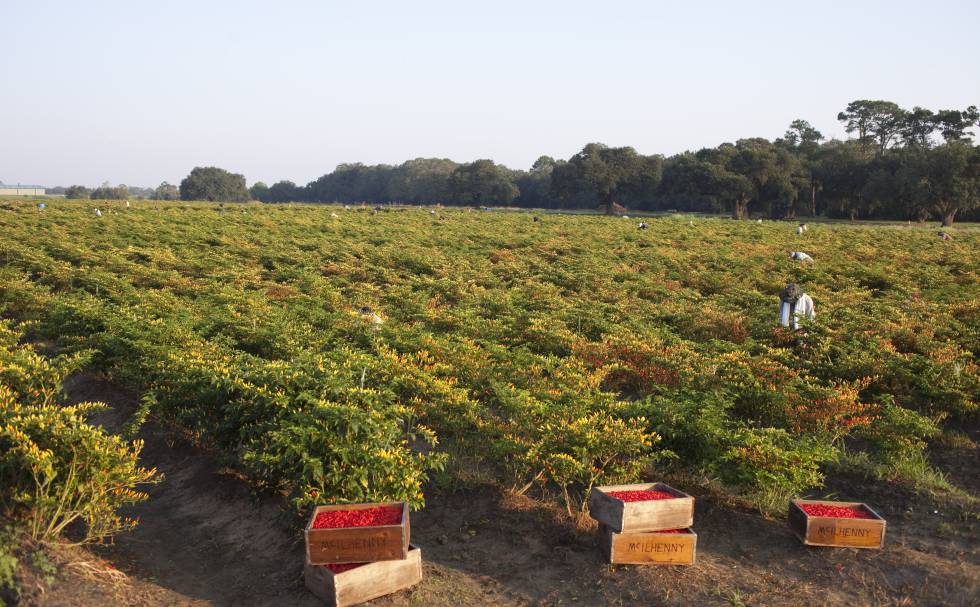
(141, 92)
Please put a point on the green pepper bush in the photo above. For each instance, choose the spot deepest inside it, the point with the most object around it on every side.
(548, 355)
(57, 469)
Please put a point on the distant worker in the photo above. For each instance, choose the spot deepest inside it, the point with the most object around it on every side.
(127, 204)
(643, 225)
(98, 213)
(800, 256)
(793, 303)
(41, 206)
(945, 236)
(535, 218)
(804, 227)
(370, 316)
(799, 229)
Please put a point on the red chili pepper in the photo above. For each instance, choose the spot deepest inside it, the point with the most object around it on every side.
(672, 531)
(342, 567)
(640, 496)
(367, 517)
(835, 511)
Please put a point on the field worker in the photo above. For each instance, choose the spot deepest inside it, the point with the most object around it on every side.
(127, 204)
(370, 316)
(535, 218)
(945, 236)
(793, 303)
(803, 227)
(800, 256)
(334, 215)
(799, 230)
(41, 205)
(98, 213)
(643, 225)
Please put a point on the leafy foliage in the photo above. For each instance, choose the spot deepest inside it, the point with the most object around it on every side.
(212, 183)
(548, 356)
(55, 468)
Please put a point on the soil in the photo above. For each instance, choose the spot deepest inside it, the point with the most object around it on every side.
(205, 539)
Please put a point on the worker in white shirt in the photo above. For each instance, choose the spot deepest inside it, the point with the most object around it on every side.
(800, 256)
(794, 303)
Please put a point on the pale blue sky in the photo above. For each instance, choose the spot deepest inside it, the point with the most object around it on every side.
(139, 92)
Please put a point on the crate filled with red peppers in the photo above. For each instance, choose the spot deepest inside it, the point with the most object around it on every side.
(644, 524)
(641, 507)
(841, 524)
(357, 533)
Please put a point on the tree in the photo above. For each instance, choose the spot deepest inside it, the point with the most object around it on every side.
(258, 191)
(951, 179)
(421, 181)
(953, 124)
(639, 189)
(213, 184)
(108, 192)
(803, 136)
(841, 168)
(916, 127)
(773, 176)
(482, 181)
(700, 182)
(598, 170)
(77, 191)
(535, 184)
(284, 191)
(354, 182)
(166, 191)
(874, 121)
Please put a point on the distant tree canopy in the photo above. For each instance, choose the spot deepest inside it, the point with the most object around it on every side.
(108, 192)
(482, 182)
(165, 191)
(77, 191)
(214, 184)
(913, 164)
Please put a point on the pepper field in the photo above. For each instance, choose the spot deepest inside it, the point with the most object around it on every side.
(540, 357)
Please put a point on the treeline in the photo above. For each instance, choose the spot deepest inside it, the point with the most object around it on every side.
(164, 191)
(902, 164)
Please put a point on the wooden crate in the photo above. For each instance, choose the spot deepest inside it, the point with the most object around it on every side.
(357, 544)
(652, 515)
(365, 582)
(834, 531)
(648, 547)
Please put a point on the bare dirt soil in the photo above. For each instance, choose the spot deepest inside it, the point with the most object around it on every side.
(204, 539)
